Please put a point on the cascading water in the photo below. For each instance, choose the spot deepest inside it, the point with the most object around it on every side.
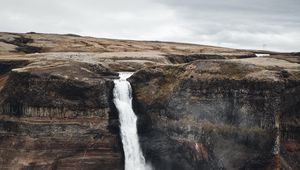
(134, 159)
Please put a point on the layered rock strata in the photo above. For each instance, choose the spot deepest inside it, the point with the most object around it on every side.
(219, 114)
(59, 115)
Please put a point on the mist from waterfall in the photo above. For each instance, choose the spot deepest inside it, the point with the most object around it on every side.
(134, 159)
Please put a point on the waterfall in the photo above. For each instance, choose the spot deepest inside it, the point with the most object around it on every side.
(134, 159)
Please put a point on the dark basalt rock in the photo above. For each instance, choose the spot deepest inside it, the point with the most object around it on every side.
(8, 65)
(177, 59)
(22, 44)
(217, 114)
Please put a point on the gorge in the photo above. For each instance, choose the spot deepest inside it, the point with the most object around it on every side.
(191, 106)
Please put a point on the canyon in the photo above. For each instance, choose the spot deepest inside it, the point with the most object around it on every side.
(197, 106)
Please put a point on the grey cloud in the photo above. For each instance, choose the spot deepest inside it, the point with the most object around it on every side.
(273, 24)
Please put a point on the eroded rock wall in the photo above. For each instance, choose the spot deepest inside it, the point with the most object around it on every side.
(215, 115)
(59, 115)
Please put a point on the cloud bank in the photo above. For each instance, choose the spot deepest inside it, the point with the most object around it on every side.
(256, 24)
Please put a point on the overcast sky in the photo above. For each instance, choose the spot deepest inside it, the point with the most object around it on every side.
(250, 24)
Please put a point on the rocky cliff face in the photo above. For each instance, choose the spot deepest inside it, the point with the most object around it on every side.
(58, 115)
(198, 107)
(218, 114)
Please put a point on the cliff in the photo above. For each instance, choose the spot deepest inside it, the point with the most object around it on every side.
(220, 114)
(198, 107)
(56, 115)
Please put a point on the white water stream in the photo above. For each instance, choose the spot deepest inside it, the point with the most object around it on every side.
(262, 55)
(134, 159)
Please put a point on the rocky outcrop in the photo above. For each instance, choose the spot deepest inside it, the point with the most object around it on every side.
(219, 114)
(21, 44)
(59, 115)
(178, 59)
